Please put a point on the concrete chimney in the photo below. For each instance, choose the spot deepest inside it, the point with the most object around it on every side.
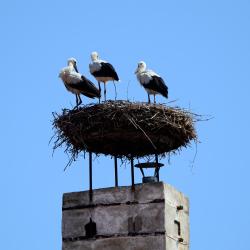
(152, 216)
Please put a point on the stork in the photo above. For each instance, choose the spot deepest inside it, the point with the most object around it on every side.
(152, 82)
(77, 83)
(102, 71)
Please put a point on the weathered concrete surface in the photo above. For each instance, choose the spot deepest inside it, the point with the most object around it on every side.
(119, 243)
(155, 213)
(171, 244)
(114, 219)
(143, 193)
(173, 198)
(127, 243)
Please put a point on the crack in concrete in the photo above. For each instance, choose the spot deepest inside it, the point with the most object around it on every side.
(80, 238)
(111, 204)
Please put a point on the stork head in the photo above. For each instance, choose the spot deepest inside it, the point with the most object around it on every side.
(94, 56)
(141, 67)
(72, 62)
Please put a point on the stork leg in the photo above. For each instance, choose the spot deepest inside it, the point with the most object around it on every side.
(148, 98)
(80, 100)
(76, 102)
(100, 90)
(104, 91)
(154, 98)
(115, 90)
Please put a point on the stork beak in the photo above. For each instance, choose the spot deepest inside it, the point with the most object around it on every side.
(75, 67)
(136, 71)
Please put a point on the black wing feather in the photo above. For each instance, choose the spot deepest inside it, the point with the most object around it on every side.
(107, 70)
(86, 87)
(157, 84)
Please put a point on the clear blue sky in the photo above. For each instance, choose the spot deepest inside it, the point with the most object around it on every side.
(201, 48)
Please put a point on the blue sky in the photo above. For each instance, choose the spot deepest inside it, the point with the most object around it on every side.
(201, 49)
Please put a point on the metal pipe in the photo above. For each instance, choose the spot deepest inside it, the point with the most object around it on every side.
(157, 168)
(116, 172)
(132, 173)
(90, 177)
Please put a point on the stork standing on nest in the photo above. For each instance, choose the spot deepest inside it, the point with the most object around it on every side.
(152, 82)
(102, 71)
(77, 83)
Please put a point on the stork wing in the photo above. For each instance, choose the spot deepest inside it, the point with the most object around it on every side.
(72, 77)
(86, 87)
(157, 84)
(106, 70)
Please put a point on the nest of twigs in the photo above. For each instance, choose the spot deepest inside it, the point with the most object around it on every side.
(124, 129)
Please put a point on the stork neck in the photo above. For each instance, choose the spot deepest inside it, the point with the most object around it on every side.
(95, 60)
(141, 70)
(71, 65)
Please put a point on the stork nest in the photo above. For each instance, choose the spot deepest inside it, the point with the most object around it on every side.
(124, 129)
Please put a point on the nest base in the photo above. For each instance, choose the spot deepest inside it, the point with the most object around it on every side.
(124, 129)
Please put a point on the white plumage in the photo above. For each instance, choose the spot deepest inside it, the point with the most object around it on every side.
(102, 71)
(77, 83)
(69, 77)
(96, 63)
(151, 81)
(146, 76)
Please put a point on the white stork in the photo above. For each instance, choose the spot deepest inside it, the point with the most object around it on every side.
(77, 83)
(152, 82)
(102, 71)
